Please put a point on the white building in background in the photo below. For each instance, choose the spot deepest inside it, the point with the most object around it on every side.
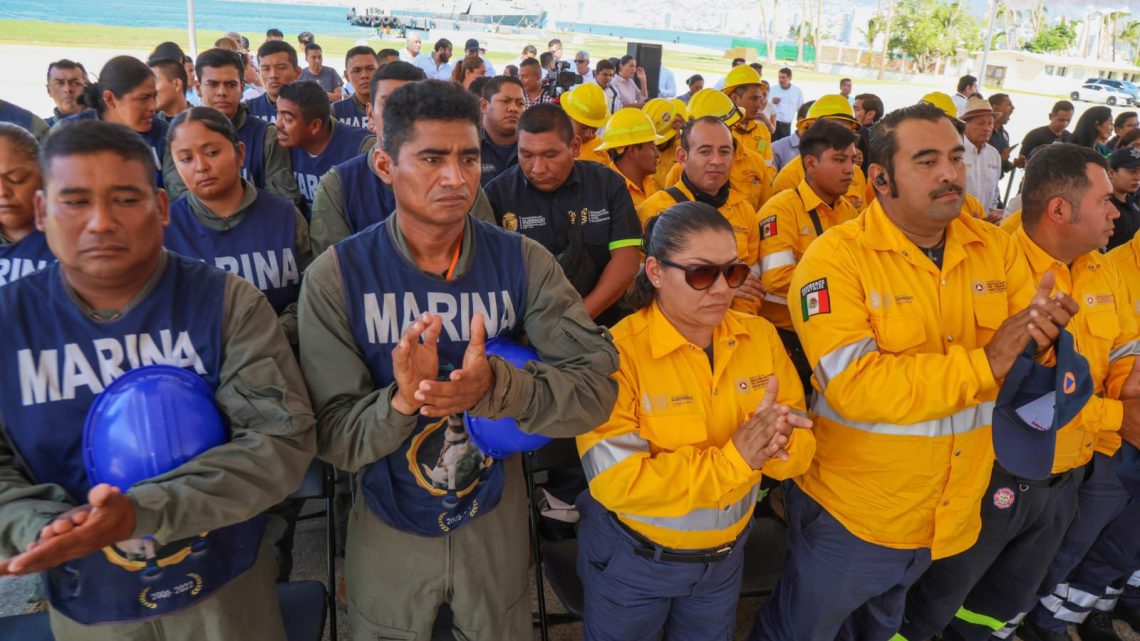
(1047, 73)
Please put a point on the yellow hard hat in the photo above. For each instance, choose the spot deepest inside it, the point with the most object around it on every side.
(943, 102)
(586, 104)
(830, 107)
(710, 102)
(740, 76)
(663, 112)
(629, 126)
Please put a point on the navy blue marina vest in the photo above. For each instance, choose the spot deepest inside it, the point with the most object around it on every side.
(437, 480)
(29, 255)
(55, 360)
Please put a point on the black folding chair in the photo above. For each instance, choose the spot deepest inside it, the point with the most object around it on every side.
(303, 622)
(319, 484)
(555, 562)
(764, 554)
(26, 627)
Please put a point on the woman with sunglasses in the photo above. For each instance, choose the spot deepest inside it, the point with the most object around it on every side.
(226, 221)
(707, 404)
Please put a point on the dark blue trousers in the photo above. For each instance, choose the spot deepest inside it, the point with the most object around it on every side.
(835, 586)
(971, 595)
(632, 598)
(1097, 556)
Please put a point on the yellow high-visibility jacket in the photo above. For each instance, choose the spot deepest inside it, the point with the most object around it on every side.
(904, 401)
(1126, 259)
(786, 230)
(664, 462)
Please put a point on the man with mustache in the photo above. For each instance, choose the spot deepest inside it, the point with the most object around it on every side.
(65, 82)
(909, 293)
(384, 398)
(1067, 217)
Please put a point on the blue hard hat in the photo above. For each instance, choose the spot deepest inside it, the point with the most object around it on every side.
(501, 438)
(147, 422)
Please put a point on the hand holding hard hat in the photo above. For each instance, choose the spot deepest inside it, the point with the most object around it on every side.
(147, 422)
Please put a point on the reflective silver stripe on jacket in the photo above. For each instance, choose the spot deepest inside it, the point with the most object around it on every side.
(833, 363)
(964, 421)
(609, 452)
(705, 519)
(778, 259)
(1131, 348)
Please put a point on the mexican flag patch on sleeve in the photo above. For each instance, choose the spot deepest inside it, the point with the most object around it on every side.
(814, 299)
(767, 227)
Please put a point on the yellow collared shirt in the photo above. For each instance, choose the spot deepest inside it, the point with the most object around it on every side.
(589, 151)
(757, 138)
(1126, 259)
(749, 175)
(786, 230)
(666, 163)
(664, 462)
(638, 193)
(905, 392)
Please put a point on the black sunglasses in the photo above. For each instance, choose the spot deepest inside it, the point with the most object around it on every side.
(702, 277)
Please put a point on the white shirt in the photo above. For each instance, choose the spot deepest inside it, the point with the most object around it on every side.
(613, 100)
(790, 101)
(983, 174)
(959, 102)
(588, 76)
(666, 84)
(427, 63)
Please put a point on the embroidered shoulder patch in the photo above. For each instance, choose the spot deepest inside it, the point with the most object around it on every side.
(767, 227)
(814, 298)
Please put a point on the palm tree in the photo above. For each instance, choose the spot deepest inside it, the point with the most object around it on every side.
(801, 31)
(1115, 17)
(886, 37)
(769, 41)
(1130, 35)
(874, 29)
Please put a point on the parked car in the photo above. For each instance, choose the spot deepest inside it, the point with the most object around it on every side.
(1120, 85)
(1101, 93)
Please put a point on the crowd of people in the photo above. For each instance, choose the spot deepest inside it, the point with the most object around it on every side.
(736, 296)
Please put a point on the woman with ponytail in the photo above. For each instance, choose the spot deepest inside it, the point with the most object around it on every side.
(707, 400)
(467, 70)
(127, 94)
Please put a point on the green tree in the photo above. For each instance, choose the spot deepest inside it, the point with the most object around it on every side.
(1059, 37)
(875, 27)
(931, 31)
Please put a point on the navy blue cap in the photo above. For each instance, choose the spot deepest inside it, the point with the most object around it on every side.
(1034, 402)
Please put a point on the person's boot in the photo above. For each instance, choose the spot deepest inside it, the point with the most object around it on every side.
(1030, 631)
(1098, 627)
(1128, 614)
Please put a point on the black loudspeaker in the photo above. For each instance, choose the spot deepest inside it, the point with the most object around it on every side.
(649, 58)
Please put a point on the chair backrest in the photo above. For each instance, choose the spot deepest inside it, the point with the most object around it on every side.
(560, 453)
(317, 484)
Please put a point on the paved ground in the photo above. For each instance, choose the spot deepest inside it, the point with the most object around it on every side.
(309, 554)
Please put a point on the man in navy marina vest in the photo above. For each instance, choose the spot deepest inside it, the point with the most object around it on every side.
(315, 141)
(360, 63)
(389, 403)
(277, 62)
(23, 248)
(116, 301)
(266, 163)
(351, 196)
